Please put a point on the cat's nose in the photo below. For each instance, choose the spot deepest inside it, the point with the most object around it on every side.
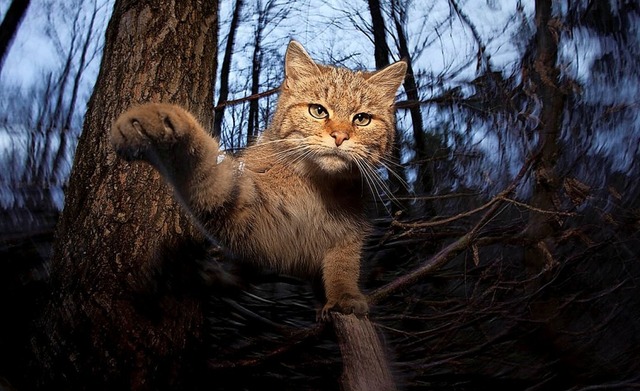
(340, 136)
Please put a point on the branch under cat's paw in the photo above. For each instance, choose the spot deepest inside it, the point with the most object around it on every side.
(347, 303)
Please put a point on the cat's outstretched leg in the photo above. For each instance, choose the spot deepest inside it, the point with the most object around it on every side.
(172, 140)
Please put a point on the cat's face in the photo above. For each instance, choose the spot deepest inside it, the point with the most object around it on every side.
(334, 119)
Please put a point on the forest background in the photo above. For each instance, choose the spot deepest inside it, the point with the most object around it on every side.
(506, 240)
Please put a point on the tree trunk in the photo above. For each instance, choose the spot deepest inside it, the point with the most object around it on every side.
(225, 69)
(380, 48)
(256, 65)
(381, 54)
(9, 27)
(124, 313)
(545, 75)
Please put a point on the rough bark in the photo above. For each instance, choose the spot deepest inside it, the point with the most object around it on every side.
(123, 313)
(365, 365)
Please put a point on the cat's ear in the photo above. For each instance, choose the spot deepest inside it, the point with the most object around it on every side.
(298, 65)
(390, 78)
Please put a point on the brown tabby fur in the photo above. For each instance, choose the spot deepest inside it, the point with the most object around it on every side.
(292, 201)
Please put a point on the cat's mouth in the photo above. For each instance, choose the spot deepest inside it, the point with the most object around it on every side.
(324, 155)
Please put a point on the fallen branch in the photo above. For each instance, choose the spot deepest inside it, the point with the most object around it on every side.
(365, 366)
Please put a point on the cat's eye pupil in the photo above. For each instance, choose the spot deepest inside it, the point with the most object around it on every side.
(362, 119)
(317, 111)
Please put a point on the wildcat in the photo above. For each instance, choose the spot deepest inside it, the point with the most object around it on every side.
(293, 201)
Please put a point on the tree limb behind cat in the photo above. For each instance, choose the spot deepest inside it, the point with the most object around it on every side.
(293, 201)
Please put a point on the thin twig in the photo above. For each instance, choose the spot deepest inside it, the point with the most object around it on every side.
(426, 224)
(533, 208)
(246, 98)
(453, 249)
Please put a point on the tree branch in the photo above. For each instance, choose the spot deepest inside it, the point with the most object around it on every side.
(246, 98)
(453, 249)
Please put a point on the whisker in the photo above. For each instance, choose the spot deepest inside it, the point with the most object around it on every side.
(386, 163)
(381, 183)
(371, 183)
(371, 175)
(396, 175)
(361, 156)
(365, 178)
(391, 161)
(263, 143)
(286, 154)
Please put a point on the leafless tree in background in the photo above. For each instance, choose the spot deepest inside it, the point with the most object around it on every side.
(225, 68)
(517, 269)
(10, 25)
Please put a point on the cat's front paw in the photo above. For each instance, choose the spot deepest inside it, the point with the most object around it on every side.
(150, 127)
(346, 303)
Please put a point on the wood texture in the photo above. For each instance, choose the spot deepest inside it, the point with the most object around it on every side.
(123, 312)
(365, 365)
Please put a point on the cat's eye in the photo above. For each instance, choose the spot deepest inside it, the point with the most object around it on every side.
(318, 111)
(362, 119)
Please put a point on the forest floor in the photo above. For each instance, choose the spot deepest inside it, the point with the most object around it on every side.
(462, 328)
(26, 246)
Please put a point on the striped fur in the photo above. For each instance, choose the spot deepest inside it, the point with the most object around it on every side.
(292, 201)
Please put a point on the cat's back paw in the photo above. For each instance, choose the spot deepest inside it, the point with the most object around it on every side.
(150, 126)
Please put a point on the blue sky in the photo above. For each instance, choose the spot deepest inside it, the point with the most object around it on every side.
(442, 43)
(327, 29)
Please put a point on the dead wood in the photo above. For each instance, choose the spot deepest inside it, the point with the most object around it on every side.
(365, 366)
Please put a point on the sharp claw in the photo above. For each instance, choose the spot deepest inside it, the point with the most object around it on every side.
(168, 125)
(136, 125)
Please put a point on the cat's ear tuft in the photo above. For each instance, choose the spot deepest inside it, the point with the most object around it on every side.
(390, 78)
(298, 65)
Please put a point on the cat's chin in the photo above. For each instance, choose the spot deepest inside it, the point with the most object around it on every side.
(333, 164)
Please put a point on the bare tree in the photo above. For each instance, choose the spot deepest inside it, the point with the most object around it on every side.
(380, 47)
(399, 15)
(253, 125)
(226, 68)
(124, 313)
(545, 86)
(58, 120)
(10, 25)
(269, 14)
(66, 123)
(382, 55)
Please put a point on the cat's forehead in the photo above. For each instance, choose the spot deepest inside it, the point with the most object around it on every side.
(341, 88)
